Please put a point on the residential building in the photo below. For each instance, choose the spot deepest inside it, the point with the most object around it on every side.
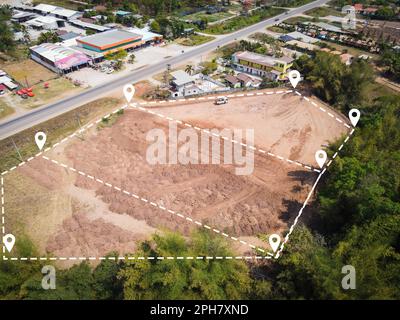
(346, 58)
(245, 80)
(261, 65)
(44, 9)
(20, 16)
(232, 81)
(148, 37)
(181, 82)
(295, 35)
(7, 82)
(86, 25)
(358, 7)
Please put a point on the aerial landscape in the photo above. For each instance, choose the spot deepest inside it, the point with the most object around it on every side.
(200, 150)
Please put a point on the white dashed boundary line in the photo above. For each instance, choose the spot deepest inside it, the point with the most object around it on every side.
(84, 128)
(3, 228)
(127, 257)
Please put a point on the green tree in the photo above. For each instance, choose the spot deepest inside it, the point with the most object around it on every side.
(189, 69)
(7, 42)
(48, 37)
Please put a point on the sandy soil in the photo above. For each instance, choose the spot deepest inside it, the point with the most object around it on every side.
(67, 214)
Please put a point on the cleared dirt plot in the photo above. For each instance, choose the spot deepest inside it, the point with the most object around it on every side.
(100, 194)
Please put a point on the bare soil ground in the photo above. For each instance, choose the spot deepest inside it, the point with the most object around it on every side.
(76, 216)
(285, 124)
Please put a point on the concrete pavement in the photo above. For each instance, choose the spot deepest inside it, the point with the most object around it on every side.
(45, 113)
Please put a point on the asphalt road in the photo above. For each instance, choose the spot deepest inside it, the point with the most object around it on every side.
(42, 114)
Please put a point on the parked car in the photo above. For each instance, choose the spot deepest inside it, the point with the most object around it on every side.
(221, 100)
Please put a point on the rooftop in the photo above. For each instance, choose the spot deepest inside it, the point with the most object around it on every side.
(88, 25)
(181, 77)
(261, 59)
(45, 7)
(232, 79)
(327, 26)
(146, 34)
(69, 35)
(302, 37)
(110, 38)
(64, 12)
(20, 14)
(244, 77)
(303, 45)
(41, 20)
(4, 79)
(63, 57)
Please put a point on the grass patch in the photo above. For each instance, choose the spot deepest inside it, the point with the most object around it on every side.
(56, 129)
(29, 71)
(5, 109)
(194, 40)
(296, 3)
(277, 29)
(209, 17)
(57, 89)
(375, 90)
(323, 12)
(241, 22)
(296, 20)
(353, 51)
(21, 52)
(109, 121)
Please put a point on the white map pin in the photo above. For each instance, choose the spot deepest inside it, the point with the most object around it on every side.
(320, 157)
(9, 241)
(294, 77)
(40, 138)
(354, 116)
(129, 91)
(274, 241)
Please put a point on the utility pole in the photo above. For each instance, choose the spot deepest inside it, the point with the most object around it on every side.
(16, 148)
(166, 76)
(80, 132)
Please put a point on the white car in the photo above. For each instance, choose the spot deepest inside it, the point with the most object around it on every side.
(221, 100)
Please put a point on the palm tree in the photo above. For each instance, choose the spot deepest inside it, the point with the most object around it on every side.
(189, 69)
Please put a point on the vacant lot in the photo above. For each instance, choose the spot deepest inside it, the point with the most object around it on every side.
(58, 89)
(285, 124)
(194, 40)
(29, 72)
(70, 213)
(323, 12)
(240, 22)
(209, 17)
(5, 109)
